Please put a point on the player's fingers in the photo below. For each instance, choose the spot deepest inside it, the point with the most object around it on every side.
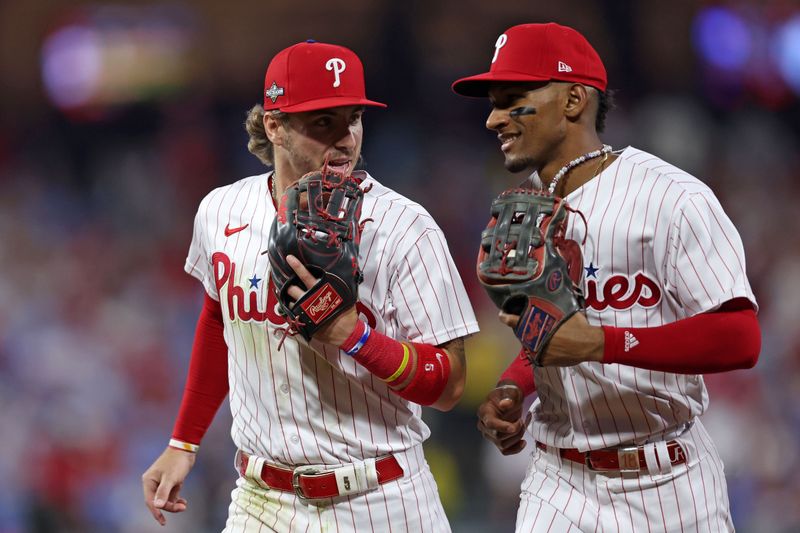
(496, 428)
(175, 502)
(495, 418)
(302, 272)
(157, 514)
(491, 435)
(150, 487)
(507, 405)
(295, 292)
(176, 507)
(507, 442)
(516, 448)
(164, 499)
(508, 320)
(514, 442)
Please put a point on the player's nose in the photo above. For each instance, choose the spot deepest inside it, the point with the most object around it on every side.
(497, 119)
(347, 142)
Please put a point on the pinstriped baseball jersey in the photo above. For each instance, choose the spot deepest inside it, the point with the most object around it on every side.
(311, 403)
(658, 248)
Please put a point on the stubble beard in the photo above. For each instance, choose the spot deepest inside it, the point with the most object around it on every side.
(301, 162)
(518, 164)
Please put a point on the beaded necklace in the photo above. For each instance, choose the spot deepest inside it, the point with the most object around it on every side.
(574, 163)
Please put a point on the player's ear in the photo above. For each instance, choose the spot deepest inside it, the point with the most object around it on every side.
(275, 128)
(576, 101)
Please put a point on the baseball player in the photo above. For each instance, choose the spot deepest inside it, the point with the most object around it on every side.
(329, 433)
(618, 443)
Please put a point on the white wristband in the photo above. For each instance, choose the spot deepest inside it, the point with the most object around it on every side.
(185, 446)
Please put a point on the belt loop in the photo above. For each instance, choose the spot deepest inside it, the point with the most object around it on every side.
(237, 462)
(663, 457)
(254, 467)
(650, 458)
(356, 477)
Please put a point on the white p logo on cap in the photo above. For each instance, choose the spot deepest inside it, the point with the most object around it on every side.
(501, 42)
(337, 66)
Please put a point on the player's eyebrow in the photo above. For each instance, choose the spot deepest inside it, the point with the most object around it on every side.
(322, 113)
(507, 99)
(334, 113)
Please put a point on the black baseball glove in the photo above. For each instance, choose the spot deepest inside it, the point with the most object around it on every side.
(529, 268)
(317, 222)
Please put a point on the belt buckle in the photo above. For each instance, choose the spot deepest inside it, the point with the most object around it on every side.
(628, 457)
(299, 471)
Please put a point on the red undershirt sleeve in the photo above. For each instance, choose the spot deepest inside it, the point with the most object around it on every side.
(520, 372)
(706, 343)
(207, 381)
(415, 371)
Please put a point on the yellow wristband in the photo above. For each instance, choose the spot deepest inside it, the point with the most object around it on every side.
(402, 367)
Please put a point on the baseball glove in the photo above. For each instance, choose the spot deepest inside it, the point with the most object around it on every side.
(317, 222)
(529, 268)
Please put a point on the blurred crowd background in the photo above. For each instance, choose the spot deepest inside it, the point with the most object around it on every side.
(116, 118)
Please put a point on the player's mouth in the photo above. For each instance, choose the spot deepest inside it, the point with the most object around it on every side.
(507, 140)
(341, 165)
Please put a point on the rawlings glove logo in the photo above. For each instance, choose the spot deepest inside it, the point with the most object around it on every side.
(322, 303)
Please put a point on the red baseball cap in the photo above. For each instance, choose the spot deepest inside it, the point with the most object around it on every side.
(538, 52)
(312, 75)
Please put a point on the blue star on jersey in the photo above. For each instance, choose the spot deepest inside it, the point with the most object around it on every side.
(591, 270)
(254, 281)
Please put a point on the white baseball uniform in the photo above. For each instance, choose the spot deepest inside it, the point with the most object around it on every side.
(311, 404)
(658, 248)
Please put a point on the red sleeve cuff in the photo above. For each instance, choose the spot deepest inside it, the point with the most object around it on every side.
(705, 343)
(520, 372)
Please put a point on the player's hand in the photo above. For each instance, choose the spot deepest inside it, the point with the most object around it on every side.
(576, 341)
(500, 419)
(162, 483)
(342, 326)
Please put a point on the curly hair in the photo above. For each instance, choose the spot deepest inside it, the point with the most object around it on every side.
(605, 103)
(259, 144)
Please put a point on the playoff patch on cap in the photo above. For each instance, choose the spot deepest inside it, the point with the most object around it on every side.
(538, 52)
(312, 75)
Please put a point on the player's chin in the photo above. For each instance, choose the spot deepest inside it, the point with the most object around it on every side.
(517, 164)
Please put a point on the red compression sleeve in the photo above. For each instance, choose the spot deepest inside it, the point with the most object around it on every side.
(702, 344)
(415, 371)
(520, 372)
(207, 382)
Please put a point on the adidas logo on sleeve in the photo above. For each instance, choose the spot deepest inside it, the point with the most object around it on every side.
(630, 341)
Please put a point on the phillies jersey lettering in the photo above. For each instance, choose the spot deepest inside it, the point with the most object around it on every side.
(309, 403)
(620, 293)
(658, 248)
(245, 305)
